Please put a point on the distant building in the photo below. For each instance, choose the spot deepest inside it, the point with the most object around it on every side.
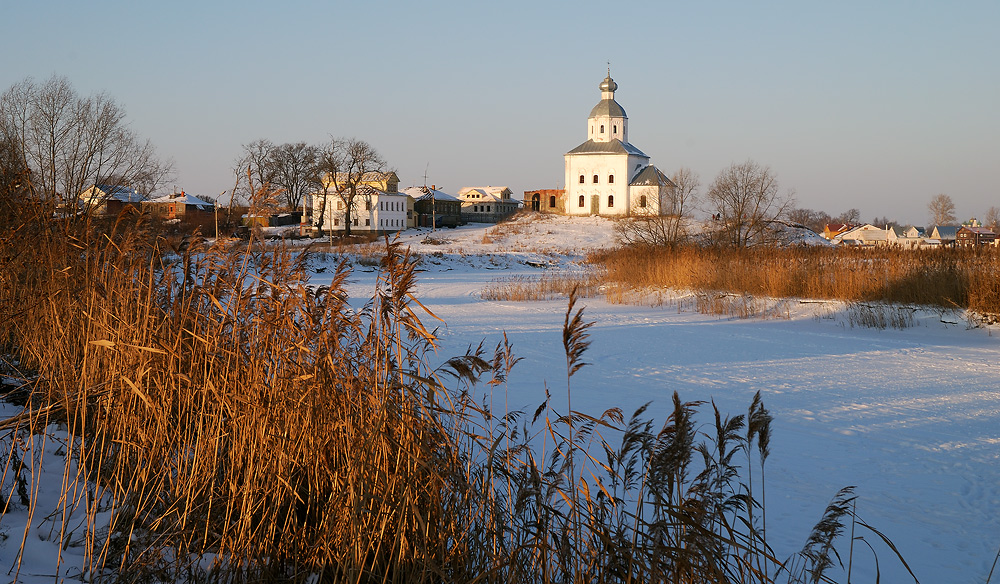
(546, 201)
(606, 175)
(429, 202)
(181, 207)
(831, 230)
(944, 234)
(487, 204)
(866, 235)
(110, 199)
(974, 236)
(372, 210)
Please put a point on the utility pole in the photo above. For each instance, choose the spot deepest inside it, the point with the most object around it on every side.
(433, 211)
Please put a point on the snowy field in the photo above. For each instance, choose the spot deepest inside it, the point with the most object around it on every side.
(910, 417)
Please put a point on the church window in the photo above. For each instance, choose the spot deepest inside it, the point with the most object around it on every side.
(614, 128)
(340, 205)
(336, 220)
(611, 179)
(642, 201)
(581, 179)
(580, 204)
(368, 222)
(368, 205)
(602, 128)
(611, 201)
(595, 179)
(355, 221)
(552, 200)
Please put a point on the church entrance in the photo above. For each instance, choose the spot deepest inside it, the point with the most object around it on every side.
(536, 202)
(595, 205)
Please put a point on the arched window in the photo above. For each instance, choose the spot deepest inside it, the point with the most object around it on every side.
(552, 200)
(642, 201)
(611, 201)
(580, 204)
(602, 128)
(611, 179)
(595, 179)
(614, 128)
(581, 179)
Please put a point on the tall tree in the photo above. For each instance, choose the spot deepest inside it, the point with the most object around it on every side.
(992, 219)
(942, 210)
(330, 161)
(745, 198)
(294, 169)
(71, 142)
(253, 170)
(669, 226)
(361, 163)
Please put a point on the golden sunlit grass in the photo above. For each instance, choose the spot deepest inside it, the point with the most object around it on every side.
(228, 423)
(945, 278)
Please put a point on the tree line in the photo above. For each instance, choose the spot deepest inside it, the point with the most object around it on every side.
(56, 143)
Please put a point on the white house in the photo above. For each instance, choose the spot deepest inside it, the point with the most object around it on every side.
(864, 235)
(110, 199)
(607, 175)
(487, 204)
(372, 210)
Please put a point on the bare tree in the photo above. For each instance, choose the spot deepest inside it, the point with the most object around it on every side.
(850, 217)
(669, 226)
(745, 199)
(361, 163)
(253, 170)
(71, 142)
(330, 161)
(992, 219)
(293, 168)
(942, 210)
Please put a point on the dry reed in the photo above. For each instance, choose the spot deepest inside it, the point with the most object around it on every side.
(229, 423)
(947, 277)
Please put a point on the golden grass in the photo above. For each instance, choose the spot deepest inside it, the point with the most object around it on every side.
(217, 406)
(947, 278)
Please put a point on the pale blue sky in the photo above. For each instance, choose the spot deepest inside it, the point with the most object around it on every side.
(874, 105)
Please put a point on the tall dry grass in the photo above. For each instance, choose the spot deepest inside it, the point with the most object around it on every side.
(228, 423)
(964, 278)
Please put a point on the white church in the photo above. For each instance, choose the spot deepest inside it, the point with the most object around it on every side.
(606, 175)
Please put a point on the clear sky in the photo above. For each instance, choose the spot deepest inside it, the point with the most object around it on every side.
(878, 105)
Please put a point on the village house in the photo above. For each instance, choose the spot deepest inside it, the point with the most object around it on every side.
(905, 237)
(944, 234)
(866, 235)
(487, 204)
(110, 199)
(378, 206)
(606, 175)
(182, 208)
(831, 230)
(430, 202)
(967, 236)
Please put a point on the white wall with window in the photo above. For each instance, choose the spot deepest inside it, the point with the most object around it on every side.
(372, 210)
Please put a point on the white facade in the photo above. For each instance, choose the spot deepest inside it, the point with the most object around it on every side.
(373, 210)
(602, 173)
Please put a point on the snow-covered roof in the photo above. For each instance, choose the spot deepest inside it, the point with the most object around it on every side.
(651, 176)
(612, 147)
(424, 194)
(488, 193)
(182, 198)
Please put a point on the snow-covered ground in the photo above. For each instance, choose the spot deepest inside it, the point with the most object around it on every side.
(910, 417)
